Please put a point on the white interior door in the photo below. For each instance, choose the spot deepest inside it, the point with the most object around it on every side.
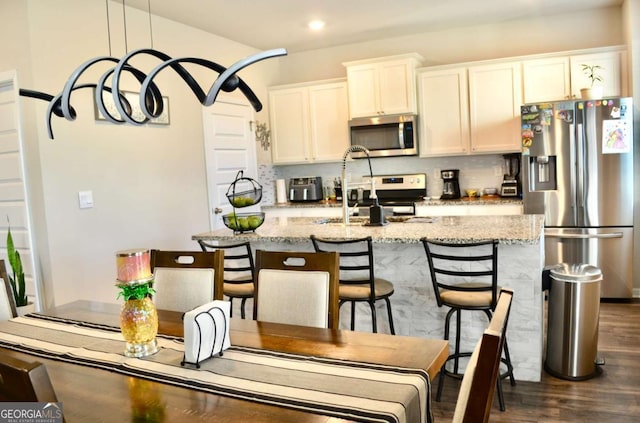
(14, 198)
(229, 147)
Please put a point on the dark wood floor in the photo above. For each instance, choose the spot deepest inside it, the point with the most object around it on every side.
(613, 396)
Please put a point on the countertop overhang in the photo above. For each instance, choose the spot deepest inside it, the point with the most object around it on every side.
(463, 201)
(513, 229)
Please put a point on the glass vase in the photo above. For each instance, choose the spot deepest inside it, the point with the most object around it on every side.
(139, 326)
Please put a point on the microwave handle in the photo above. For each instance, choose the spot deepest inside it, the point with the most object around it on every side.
(401, 134)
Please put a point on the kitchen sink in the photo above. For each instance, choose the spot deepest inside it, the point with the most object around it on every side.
(360, 220)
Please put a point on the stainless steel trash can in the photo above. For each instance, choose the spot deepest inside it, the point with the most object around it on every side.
(572, 321)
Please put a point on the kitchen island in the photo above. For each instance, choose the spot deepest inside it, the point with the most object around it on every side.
(400, 257)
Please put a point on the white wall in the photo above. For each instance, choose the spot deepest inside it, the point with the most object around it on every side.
(149, 183)
(587, 29)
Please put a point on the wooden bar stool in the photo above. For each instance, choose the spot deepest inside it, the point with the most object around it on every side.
(465, 277)
(239, 271)
(357, 277)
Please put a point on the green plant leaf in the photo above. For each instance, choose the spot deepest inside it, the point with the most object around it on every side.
(135, 292)
(17, 281)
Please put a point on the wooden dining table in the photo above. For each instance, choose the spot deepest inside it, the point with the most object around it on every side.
(90, 394)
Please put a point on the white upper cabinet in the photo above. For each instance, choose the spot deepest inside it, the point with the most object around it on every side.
(444, 112)
(469, 110)
(383, 86)
(309, 122)
(561, 77)
(612, 71)
(546, 79)
(329, 112)
(495, 97)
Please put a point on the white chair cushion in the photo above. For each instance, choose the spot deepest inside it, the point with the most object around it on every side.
(182, 289)
(5, 305)
(465, 387)
(294, 297)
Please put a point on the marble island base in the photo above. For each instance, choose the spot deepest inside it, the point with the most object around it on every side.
(414, 306)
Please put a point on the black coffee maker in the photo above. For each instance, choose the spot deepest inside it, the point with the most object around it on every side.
(451, 186)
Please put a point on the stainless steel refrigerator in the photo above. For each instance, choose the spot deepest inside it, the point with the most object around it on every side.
(577, 170)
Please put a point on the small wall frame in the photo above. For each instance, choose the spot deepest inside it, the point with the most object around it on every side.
(134, 100)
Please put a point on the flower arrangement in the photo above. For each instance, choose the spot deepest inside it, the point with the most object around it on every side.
(17, 280)
(591, 71)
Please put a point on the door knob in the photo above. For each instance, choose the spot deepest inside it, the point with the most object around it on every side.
(217, 210)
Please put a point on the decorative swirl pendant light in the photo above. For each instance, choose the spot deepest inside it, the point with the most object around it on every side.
(151, 102)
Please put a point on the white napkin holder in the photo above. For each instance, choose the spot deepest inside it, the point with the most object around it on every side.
(206, 332)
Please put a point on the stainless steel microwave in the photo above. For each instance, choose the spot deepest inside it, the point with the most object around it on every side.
(383, 136)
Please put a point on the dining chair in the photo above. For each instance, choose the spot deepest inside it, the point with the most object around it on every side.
(184, 280)
(358, 282)
(297, 288)
(22, 381)
(239, 271)
(7, 302)
(465, 277)
(478, 384)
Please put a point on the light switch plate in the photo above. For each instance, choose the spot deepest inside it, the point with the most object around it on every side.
(85, 199)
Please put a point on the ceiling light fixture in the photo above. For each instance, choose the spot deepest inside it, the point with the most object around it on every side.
(151, 102)
(316, 25)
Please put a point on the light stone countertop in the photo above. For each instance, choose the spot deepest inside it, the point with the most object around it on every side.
(513, 229)
(464, 201)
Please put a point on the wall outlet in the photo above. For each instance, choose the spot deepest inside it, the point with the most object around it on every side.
(497, 171)
(85, 199)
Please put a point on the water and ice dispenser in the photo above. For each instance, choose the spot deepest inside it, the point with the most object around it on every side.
(542, 173)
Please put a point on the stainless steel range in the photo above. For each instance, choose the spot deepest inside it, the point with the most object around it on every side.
(397, 194)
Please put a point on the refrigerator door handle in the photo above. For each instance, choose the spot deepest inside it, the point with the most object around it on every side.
(579, 176)
(572, 170)
(584, 236)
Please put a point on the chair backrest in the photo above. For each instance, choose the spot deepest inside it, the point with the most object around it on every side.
(21, 381)
(238, 261)
(184, 280)
(478, 384)
(298, 288)
(356, 259)
(7, 301)
(452, 263)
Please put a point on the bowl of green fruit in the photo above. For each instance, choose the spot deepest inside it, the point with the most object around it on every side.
(243, 222)
(244, 192)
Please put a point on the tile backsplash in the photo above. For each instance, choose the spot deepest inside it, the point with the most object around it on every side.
(482, 171)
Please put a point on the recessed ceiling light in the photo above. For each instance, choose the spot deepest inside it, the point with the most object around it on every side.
(316, 25)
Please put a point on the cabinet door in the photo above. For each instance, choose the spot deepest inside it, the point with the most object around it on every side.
(495, 96)
(444, 112)
(613, 77)
(289, 117)
(329, 113)
(546, 79)
(363, 90)
(396, 82)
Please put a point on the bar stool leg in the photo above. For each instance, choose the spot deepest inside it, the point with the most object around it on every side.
(242, 313)
(457, 353)
(353, 315)
(230, 306)
(443, 371)
(374, 319)
(393, 330)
